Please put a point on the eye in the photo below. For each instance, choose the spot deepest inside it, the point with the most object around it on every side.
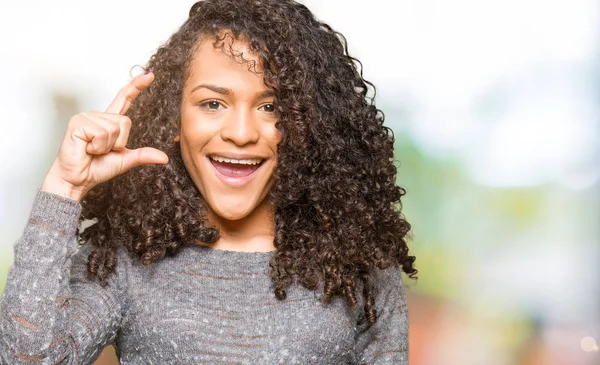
(269, 108)
(211, 105)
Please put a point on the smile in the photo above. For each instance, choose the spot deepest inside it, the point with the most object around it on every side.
(235, 172)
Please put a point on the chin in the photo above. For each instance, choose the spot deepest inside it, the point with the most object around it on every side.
(231, 214)
(233, 210)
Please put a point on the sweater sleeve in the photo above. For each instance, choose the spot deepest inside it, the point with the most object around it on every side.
(51, 311)
(385, 341)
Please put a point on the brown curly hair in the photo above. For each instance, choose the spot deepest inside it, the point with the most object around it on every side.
(337, 206)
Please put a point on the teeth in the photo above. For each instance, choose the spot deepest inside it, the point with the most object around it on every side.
(249, 161)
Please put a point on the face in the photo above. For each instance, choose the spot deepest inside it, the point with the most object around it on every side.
(228, 137)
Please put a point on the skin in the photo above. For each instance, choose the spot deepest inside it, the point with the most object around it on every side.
(228, 111)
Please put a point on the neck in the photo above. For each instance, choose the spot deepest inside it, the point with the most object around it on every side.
(253, 233)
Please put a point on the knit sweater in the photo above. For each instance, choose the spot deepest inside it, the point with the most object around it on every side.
(201, 306)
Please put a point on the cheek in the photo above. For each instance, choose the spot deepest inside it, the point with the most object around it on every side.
(196, 132)
(273, 136)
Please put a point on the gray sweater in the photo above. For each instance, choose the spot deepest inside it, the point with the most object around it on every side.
(203, 306)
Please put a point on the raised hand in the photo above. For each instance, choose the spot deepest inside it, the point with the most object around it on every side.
(93, 148)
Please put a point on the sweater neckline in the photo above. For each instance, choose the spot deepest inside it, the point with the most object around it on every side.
(219, 256)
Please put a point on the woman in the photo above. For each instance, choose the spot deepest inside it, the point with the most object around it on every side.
(261, 223)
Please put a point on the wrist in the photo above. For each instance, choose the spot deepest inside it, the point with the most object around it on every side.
(60, 187)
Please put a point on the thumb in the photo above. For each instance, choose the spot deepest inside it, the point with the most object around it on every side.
(143, 156)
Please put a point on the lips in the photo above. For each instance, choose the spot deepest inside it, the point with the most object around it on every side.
(233, 169)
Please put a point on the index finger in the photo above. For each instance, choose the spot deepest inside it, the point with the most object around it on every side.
(129, 92)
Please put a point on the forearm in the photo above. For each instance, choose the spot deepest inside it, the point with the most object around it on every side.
(30, 314)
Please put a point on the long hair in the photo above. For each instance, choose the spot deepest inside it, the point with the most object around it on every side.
(337, 206)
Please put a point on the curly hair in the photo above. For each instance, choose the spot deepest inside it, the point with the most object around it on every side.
(337, 206)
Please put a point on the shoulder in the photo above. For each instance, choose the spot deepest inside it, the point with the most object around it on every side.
(79, 263)
(388, 289)
(387, 280)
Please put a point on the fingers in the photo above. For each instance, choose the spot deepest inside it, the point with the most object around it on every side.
(129, 92)
(101, 132)
(125, 127)
(118, 124)
(143, 156)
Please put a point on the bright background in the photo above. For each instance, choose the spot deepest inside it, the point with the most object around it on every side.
(496, 109)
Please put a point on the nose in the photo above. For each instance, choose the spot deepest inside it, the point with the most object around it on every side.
(241, 128)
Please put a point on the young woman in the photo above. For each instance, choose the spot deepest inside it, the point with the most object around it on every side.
(243, 209)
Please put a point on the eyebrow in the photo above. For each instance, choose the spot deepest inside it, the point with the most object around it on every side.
(227, 91)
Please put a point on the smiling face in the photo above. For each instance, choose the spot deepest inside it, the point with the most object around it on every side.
(228, 136)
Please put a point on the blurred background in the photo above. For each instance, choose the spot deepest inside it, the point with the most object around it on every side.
(496, 111)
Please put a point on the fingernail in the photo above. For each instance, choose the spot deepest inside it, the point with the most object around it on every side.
(147, 72)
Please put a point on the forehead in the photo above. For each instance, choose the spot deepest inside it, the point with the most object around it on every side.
(225, 54)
